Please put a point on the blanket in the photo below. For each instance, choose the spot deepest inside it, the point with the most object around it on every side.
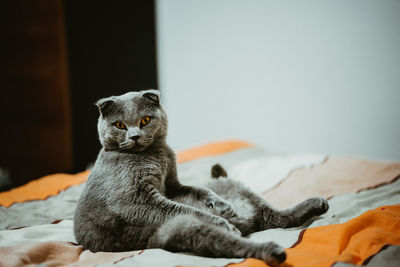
(361, 226)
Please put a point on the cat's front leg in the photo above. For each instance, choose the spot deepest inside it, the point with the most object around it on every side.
(207, 199)
(206, 217)
(158, 208)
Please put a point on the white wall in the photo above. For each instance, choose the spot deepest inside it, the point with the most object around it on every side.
(293, 76)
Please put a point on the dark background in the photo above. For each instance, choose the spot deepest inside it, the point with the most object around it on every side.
(57, 59)
(111, 50)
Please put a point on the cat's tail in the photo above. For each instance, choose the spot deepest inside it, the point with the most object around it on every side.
(218, 171)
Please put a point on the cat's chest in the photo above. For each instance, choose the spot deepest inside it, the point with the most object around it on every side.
(153, 169)
(130, 171)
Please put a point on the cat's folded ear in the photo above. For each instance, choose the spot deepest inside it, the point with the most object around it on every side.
(152, 95)
(104, 105)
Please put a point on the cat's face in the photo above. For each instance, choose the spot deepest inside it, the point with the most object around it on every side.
(131, 122)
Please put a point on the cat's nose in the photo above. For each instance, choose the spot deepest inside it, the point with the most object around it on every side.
(134, 137)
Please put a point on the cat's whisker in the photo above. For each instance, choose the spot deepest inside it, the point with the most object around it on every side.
(126, 144)
(145, 141)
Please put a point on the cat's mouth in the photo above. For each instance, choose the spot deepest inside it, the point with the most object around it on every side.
(131, 145)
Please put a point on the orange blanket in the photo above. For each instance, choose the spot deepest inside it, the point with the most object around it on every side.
(351, 242)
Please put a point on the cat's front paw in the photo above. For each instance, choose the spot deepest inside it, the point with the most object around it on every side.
(225, 224)
(219, 206)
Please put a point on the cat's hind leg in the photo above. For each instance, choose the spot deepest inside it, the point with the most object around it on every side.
(295, 216)
(255, 214)
(186, 233)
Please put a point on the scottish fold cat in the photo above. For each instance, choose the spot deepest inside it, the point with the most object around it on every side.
(133, 199)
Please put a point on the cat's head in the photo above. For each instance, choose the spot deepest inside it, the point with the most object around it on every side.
(131, 122)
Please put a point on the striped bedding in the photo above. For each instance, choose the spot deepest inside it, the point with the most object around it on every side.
(362, 226)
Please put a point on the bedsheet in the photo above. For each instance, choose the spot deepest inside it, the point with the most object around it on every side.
(364, 198)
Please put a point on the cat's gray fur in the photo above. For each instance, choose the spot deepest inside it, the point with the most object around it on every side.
(134, 200)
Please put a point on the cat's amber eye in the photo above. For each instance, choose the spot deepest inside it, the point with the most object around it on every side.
(145, 120)
(120, 125)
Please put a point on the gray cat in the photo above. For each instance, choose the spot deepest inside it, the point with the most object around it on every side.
(133, 199)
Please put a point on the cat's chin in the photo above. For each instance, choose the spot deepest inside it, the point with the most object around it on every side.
(132, 147)
(138, 148)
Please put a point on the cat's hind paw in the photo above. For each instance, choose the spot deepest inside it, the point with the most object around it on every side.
(270, 252)
(320, 205)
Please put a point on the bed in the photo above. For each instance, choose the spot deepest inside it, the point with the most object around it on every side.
(362, 226)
